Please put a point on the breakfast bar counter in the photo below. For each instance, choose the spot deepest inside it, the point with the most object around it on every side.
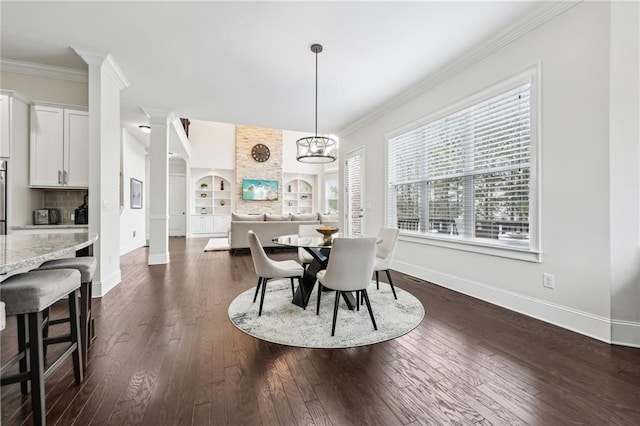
(18, 251)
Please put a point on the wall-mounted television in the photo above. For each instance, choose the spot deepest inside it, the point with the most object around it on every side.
(259, 190)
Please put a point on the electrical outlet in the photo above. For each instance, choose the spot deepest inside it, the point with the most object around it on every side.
(73, 217)
(548, 280)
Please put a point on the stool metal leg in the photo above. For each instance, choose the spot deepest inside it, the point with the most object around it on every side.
(22, 319)
(85, 310)
(75, 326)
(37, 368)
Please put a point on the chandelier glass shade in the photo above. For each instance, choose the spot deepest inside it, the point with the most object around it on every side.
(316, 149)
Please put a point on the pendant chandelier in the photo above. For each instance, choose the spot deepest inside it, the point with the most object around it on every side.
(316, 149)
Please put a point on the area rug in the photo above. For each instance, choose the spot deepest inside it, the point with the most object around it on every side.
(217, 244)
(287, 324)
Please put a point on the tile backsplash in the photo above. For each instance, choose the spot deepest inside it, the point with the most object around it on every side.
(65, 200)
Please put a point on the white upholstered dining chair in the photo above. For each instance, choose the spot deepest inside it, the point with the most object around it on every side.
(349, 269)
(384, 254)
(306, 231)
(267, 269)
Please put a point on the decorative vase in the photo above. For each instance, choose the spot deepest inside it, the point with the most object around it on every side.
(203, 186)
(203, 210)
(221, 185)
(203, 195)
(222, 202)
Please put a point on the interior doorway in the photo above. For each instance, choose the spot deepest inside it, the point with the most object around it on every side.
(177, 206)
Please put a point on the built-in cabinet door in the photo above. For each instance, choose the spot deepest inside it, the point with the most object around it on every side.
(196, 224)
(5, 126)
(76, 147)
(202, 224)
(221, 224)
(207, 224)
(47, 142)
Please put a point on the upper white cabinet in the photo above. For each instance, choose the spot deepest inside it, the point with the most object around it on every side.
(14, 113)
(59, 147)
(5, 126)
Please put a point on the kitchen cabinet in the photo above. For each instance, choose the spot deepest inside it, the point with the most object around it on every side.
(14, 113)
(59, 147)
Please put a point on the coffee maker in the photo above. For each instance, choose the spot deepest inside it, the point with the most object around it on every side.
(82, 213)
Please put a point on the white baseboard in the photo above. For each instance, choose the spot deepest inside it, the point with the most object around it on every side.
(625, 333)
(102, 287)
(158, 259)
(572, 319)
(131, 247)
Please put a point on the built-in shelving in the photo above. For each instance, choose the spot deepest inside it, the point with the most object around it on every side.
(298, 196)
(212, 206)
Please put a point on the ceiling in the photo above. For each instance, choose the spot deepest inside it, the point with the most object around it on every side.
(249, 62)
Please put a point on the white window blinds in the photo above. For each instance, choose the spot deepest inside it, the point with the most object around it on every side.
(354, 194)
(467, 174)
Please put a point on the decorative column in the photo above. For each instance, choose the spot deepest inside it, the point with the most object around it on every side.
(106, 80)
(158, 186)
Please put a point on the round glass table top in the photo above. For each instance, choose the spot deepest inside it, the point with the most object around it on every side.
(318, 241)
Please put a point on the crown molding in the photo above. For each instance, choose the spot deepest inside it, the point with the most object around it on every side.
(475, 55)
(40, 70)
(111, 67)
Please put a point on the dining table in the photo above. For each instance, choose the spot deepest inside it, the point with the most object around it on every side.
(319, 247)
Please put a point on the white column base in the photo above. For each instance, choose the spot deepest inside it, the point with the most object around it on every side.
(158, 259)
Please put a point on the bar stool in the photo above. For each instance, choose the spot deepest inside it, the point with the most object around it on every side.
(27, 296)
(87, 268)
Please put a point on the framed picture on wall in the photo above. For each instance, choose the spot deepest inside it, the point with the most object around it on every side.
(136, 193)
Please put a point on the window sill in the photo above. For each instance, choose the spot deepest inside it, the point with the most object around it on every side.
(498, 248)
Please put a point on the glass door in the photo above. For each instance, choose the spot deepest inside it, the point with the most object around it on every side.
(354, 192)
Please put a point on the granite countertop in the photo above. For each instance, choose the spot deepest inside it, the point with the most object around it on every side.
(19, 251)
(59, 226)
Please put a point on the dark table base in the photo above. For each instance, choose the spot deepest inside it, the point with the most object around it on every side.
(308, 280)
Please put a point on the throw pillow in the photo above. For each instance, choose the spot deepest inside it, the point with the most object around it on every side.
(304, 217)
(236, 217)
(277, 217)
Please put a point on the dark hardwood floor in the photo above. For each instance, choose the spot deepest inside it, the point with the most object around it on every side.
(166, 353)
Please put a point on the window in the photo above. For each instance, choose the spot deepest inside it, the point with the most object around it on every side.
(468, 174)
(331, 194)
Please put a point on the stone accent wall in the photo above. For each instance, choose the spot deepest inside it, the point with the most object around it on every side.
(65, 200)
(248, 168)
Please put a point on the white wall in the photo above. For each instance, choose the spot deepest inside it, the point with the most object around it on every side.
(132, 220)
(213, 145)
(573, 50)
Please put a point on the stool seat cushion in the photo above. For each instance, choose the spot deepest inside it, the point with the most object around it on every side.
(33, 291)
(86, 266)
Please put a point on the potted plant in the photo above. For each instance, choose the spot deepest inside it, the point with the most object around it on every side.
(204, 186)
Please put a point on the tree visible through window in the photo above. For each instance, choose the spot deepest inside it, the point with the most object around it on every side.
(467, 175)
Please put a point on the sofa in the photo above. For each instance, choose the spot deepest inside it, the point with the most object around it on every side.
(267, 226)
